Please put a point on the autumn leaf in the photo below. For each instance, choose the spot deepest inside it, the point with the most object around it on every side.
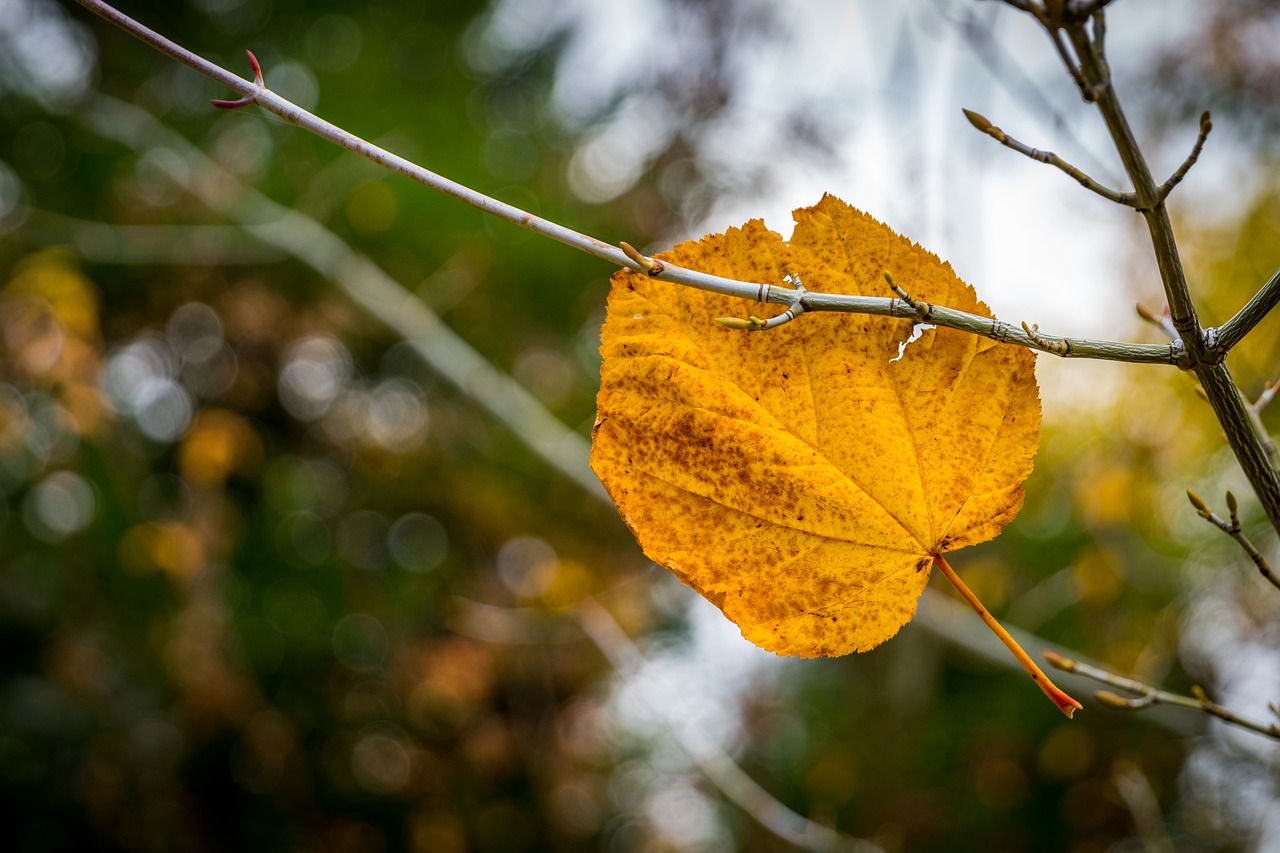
(805, 479)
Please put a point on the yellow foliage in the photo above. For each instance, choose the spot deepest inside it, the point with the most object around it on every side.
(166, 546)
(219, 444)
(52, 277)
(800, 479)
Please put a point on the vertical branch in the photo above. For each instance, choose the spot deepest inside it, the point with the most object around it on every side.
(1220, 388)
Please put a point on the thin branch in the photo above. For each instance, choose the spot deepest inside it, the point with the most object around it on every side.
(770, 293)
(1230, 333)
(1161, 321)
(1233, 529)
(608, 636)
(1206, 125)
(1254, 411)
(1135, 789)
(1147, 696)
(1055, 36)
(981, 123)
(997, 330)
(1264, 399)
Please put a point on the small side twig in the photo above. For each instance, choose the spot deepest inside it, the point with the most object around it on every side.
(651, 266)
(924, 311)
(1161, 321)
(983, 124)
(1268, 394)
(1206, 125)
(795, 307)
(224, 104)
(1147, 696)
(1233, 529)
(1060, 346)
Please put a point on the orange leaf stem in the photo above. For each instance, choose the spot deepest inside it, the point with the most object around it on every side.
(1064, 702)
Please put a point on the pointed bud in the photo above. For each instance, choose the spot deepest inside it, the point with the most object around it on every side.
(648, 265)
(751, 324)
(977, 120)
(1232, 506)
(1058, 661)
(1114, 701)
(1199, 504)
(1147, 314)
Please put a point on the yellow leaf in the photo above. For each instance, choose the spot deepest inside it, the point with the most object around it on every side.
(801, 479)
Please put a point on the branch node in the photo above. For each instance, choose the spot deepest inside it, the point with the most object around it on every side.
(923, 310)
(796, 307)
(649, 266)
(247, 99)
(1116, 702)
(1234, 529)
(1062, 346)
(1148, 696)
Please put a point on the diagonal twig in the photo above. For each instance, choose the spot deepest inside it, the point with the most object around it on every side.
(1147, 696)
(609, 637)
(1233, 529)
(1206, 125)
(983, 124)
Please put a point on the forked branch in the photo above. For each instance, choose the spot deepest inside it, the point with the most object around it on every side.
(1083, 26)
(1233, 529)
(1145, 696)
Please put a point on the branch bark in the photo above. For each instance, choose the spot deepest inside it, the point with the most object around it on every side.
(1207, 362)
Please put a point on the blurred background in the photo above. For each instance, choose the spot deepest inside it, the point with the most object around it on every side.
(298, 546)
